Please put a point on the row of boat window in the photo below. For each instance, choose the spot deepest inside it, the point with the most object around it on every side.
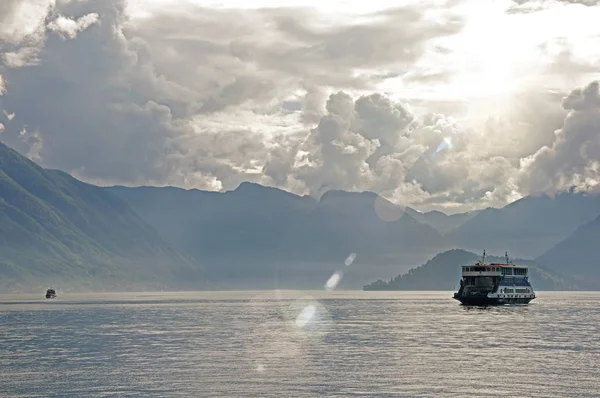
(507, 290)
(475, 269)
(505, 271)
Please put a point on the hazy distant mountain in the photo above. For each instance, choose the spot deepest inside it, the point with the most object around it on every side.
(442, 222)
(235, 224)
(366, 224)
(57, 230)
(256, 232)
(443, 272)
(578, 255)
(527, 227)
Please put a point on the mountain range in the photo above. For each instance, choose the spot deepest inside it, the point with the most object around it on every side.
(442, 222)
(527, 227)
(303, 240)
(56, 229)
(255, 232)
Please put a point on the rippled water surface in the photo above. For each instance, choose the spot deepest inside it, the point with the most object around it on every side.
(296, 344)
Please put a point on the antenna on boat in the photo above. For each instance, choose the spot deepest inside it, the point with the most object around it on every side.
(506, 255)
(483, 258)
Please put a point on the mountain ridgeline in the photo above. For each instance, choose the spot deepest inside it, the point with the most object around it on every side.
(57, 230)
(442, 222)
(255, 233)
(528, 227)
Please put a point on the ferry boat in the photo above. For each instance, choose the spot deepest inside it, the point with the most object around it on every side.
(494, 284)
(50, 293)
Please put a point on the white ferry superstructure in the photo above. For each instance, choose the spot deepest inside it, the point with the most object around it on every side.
(494, 284)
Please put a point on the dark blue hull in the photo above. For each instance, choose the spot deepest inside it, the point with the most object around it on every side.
(485, 301)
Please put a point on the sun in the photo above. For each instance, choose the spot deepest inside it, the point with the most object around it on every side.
(498, 55)
(494, 55)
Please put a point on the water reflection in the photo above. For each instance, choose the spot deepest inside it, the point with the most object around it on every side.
(273, 344)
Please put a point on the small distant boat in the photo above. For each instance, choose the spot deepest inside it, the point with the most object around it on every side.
(50, 293)
(494, 284)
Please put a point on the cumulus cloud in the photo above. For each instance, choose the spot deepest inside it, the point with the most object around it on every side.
(573, 159)
(69, 28)
(583, 99)
(209, 98)
(22, 20)
(374, 143)
(25, 56)
(335, 154)
(346, 148)
(138, 104)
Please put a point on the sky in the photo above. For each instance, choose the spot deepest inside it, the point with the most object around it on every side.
(449, 105)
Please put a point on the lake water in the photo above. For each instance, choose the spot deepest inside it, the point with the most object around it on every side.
(297, 344)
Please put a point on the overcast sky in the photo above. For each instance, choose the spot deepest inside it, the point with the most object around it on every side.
(450, 105)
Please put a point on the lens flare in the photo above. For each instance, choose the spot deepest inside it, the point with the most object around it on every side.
(386, 210)
(306, 316)
(446, 143)
(350, 259)
(333, 281)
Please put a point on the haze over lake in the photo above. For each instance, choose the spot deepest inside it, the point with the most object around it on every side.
(297, 344)
(250, 166)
